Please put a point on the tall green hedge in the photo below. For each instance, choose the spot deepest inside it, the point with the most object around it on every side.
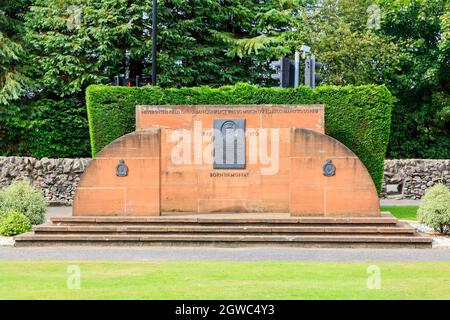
(359, 117)
(44, 128)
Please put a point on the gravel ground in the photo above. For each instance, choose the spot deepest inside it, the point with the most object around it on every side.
(419, 227)
(405, 202)
(439, 241)
(6, 241)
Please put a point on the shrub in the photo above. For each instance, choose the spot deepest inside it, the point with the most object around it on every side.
(359, 117)
(13, 223)
(434, 210)
(20, 196)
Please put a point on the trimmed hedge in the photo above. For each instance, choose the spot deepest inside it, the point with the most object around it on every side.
(359, 117)
(45, 128)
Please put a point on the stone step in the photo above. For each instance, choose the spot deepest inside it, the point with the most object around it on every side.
(196, 229)
(385, 220)
(31, 239)
(228, 230)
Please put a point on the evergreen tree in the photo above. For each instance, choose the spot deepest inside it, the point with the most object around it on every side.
(78, 42)
(336, 31)
(12, 80)
(421, 119)
(403, 44)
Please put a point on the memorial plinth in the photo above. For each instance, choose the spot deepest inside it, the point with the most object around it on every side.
(229, 176)
(243, 158)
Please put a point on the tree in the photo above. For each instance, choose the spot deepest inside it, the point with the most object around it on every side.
(421, 119)
(73, 43)
(192, 43)
(271, 20)
(403, 44)
(337, 32)
(12, 80)
(78, 42)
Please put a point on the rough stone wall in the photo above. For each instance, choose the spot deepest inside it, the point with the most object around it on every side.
(409, 178)
(58, 178)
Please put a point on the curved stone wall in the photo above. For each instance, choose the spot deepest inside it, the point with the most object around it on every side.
(346, 190)
(123, 179)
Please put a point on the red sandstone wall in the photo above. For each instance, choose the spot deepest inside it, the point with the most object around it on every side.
(200, 188)
(156, 183)
(190, 187)
(102, 192)
(350, 192)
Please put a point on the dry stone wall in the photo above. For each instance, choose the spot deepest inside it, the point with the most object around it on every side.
(409, 178)
(57, 178)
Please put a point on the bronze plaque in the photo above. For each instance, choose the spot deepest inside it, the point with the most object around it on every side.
(229, 144)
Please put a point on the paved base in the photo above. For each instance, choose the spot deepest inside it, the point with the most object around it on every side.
(67, 211)
(223, 254)
(404, 202)
(226, 230)
(58, 212)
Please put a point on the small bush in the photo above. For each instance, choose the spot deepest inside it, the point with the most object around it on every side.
(13, 223)
(20, 196)
(434, 210)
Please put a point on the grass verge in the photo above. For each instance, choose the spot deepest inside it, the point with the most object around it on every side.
(402, 212)
(222, 280)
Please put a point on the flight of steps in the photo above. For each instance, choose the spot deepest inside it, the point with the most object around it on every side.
(232, 230)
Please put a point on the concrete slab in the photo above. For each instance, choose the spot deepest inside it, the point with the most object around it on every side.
(67, 211)
(406, 202)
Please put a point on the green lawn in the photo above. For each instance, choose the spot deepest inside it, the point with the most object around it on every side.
(223, 280)
(402, 212)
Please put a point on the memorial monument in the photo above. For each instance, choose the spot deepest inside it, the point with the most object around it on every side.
(258, 158)
(227, 175)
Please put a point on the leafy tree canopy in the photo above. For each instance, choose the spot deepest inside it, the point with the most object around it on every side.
(12, 80)
(403, 44)
(78, 42)
(65, 45)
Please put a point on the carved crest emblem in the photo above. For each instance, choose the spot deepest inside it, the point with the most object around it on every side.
(328, 169)
(121, 169)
